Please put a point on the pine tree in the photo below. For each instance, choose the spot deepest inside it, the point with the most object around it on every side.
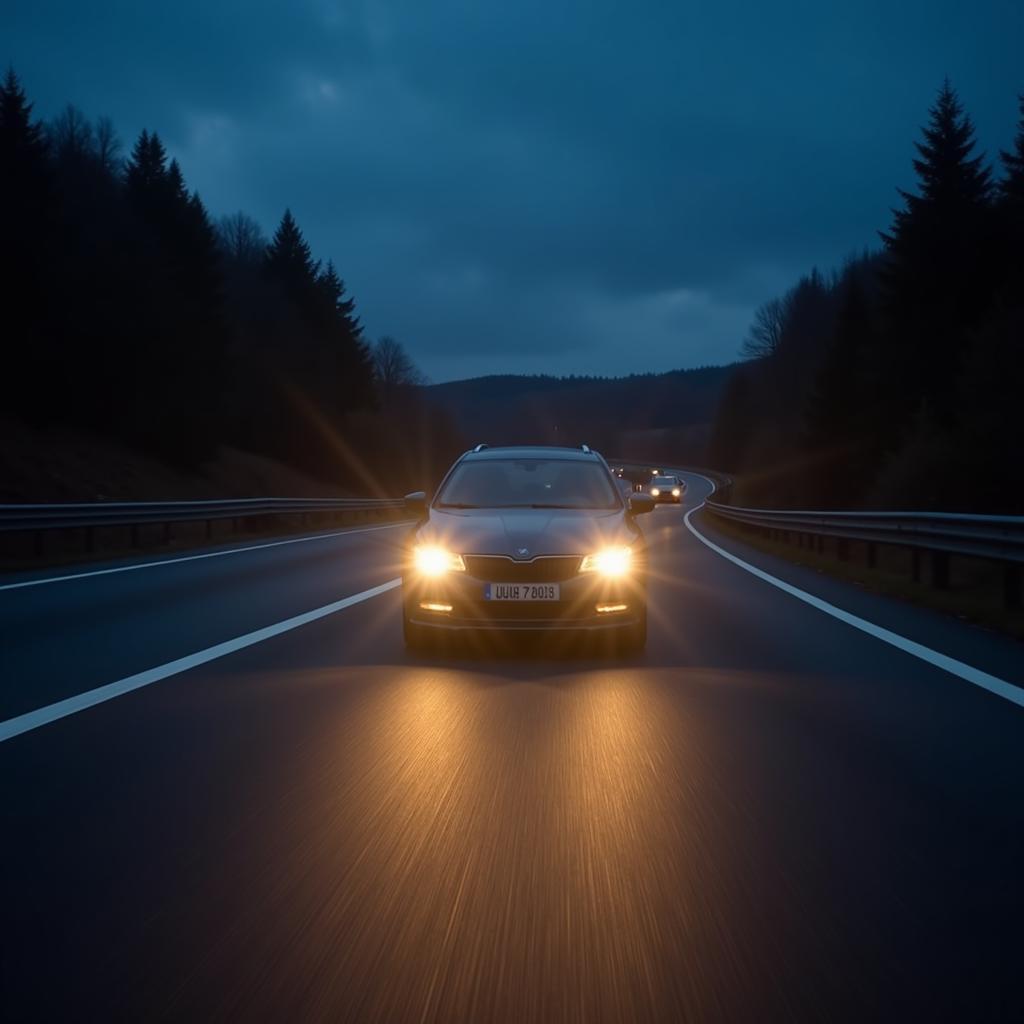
(289, 258)
(28, 210)
(939, 272)
(22, 140)
(342, 309)
(342, 334)
(178, 346)
(145, 173)
(1011, 187)
(1011, 217)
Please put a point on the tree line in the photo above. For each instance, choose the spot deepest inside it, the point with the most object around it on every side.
(130, 312)
(895, 381)
(653, 416)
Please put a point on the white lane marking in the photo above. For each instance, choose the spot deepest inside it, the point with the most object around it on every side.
(53, 712)
(192, 558)
(1000, 687)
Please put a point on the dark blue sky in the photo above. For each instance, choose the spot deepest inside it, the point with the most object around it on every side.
(536, 186)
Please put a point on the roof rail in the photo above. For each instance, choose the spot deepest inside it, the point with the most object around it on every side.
(586, 449)
(479, 448)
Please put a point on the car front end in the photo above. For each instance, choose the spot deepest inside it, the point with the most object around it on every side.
(465, 591)
(666, 490)
(500, 564)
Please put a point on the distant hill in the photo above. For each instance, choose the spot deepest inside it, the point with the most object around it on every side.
(649, 415)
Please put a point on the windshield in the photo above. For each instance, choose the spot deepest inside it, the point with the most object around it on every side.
(665, 481)
(529, 483)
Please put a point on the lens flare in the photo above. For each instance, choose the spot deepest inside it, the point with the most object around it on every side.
(611, 562)
(431, 560)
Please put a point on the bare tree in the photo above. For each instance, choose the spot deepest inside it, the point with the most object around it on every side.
(107, 145)
(766, 331)
(393, 368)
(241, 237)
(71, 134)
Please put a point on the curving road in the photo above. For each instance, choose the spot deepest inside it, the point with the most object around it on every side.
(771, 815)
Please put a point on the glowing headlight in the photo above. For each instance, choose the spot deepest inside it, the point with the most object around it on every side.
(431, 560)
(675, 492)
(655, 491)
(609, 562)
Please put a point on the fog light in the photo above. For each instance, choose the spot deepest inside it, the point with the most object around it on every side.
(435, 606)
(602, 608)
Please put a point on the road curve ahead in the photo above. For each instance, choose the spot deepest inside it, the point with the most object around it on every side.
(770, 815)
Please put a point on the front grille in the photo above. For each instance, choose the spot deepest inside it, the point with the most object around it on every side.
(499, 569)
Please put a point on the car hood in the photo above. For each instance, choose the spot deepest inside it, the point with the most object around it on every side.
(536, 532)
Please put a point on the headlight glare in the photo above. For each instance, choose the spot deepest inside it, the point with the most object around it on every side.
(675, 492)
(655, 491)
(608, 562)
(434, 560)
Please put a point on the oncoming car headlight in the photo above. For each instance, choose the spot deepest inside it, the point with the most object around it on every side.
(655, 491)
(433, 560)
(608, 562)
(675, 492)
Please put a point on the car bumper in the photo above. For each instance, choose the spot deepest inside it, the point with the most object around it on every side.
(575, 611)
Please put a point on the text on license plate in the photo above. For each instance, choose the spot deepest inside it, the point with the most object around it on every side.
(521, 592)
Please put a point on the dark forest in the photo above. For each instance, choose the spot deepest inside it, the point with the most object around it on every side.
(130, 314)
(894, 382)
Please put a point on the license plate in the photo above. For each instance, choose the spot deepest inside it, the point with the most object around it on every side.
(521, 592)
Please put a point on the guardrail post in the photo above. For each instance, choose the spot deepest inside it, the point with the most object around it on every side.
(135, 535)
(37, 543)
(843, 549)
(167, 533)
(872, 555)
(940, 570)
(209, 528)
(1012, 585)
(915, 565)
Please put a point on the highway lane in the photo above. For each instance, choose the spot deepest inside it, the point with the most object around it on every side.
(768, 816)
(68, 636)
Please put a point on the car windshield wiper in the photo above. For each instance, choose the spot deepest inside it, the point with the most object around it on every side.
(457, 504)
(539, 504)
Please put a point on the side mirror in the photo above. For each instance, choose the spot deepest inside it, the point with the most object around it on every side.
(416, 504)
(640, 503)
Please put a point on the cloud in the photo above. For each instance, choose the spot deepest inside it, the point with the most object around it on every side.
(553, 188)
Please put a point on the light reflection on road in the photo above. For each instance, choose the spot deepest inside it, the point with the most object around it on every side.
(500, 837)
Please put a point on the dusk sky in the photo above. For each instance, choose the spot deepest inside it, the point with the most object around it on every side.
(533, 187)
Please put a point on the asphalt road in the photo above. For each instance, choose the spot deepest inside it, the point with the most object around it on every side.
(768, 816)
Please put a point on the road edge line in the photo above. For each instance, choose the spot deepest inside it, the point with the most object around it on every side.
(202, 554)
(30, 720)
(993, 684)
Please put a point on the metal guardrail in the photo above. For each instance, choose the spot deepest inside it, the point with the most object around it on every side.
(40, 520)
(131, 513)
(940, 534)
(1000, 538)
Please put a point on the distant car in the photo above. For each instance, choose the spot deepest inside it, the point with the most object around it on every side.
(666, 488)
(526, 539)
